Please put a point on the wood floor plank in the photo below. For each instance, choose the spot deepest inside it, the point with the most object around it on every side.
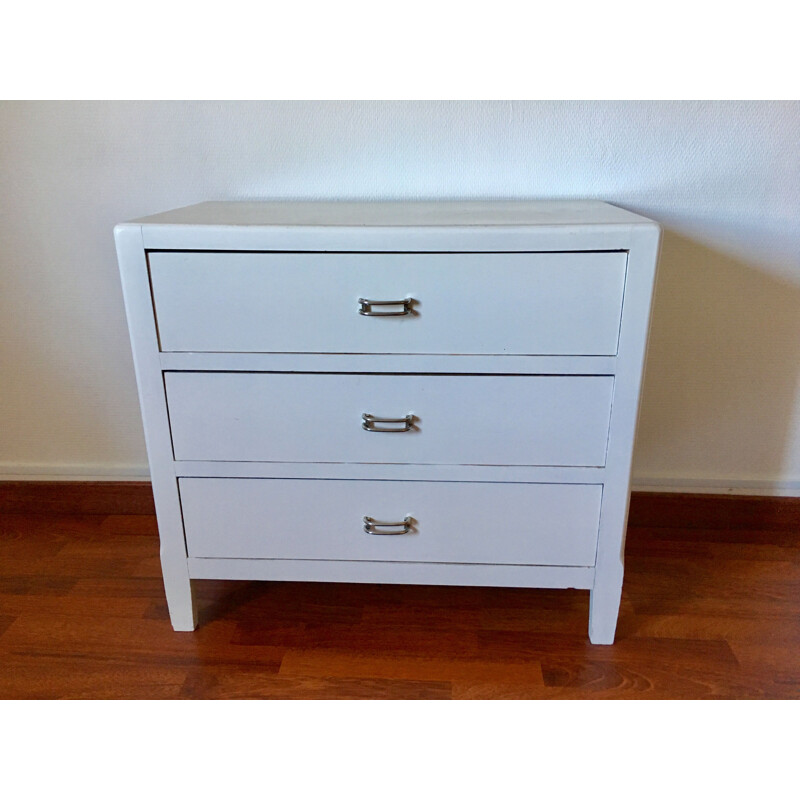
(723, 512)
(130, 641)
(247, 685)
(76, 497)
(79, 678)
(36, 584)
(366, 638)
(497, 690)
(718, 627)
(109, 586)
(71, 606)
(346, 664)
(422, 618)
(586, 679)
(741, 545)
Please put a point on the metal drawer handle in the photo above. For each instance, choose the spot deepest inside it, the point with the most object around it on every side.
(366, 307)
(370, 422)
(374, 527)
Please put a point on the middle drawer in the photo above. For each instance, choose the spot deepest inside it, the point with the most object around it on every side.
(530, 420)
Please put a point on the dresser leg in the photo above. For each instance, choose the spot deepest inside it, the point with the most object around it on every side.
(604, 610)
(180, 596)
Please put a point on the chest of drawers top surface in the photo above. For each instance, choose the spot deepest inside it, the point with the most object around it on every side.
(392, 226)
(398, 214)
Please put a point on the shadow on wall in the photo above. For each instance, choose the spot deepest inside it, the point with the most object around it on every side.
(722, 369)
(65, 358)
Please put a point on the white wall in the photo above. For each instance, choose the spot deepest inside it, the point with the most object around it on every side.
(721, 403)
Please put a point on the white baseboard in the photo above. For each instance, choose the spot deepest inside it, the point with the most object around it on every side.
(759, 488)
(73, 472)
(137, 472)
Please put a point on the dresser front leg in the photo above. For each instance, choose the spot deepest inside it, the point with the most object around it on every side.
(604, 609)
(180, 594)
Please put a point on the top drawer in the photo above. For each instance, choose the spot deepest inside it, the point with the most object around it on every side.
(459, 303)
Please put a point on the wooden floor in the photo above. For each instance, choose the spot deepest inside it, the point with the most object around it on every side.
(709, 610)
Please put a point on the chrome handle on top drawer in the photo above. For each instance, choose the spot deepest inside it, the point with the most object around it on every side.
(374, 527)
(369, 423)
(366, 307)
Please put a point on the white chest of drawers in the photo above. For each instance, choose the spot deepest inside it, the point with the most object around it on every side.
(440, 393)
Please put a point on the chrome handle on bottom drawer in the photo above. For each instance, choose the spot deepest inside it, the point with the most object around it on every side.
(370, 422)
(366, 310)
(373, 526)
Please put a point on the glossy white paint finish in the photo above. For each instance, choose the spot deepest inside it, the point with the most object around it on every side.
(493, 303)
(218, 401)
(455, 523)
(456, 419)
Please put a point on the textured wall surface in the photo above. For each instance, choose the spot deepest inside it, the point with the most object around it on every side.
(722, 399)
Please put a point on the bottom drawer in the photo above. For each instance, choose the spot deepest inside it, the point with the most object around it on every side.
(479, 523)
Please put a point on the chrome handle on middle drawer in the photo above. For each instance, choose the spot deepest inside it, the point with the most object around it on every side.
(366, 307)
(373, 526)
(370, 422)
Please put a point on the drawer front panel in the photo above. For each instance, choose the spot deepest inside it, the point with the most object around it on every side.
(487, 303)
(453, 419)
(493, 523)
